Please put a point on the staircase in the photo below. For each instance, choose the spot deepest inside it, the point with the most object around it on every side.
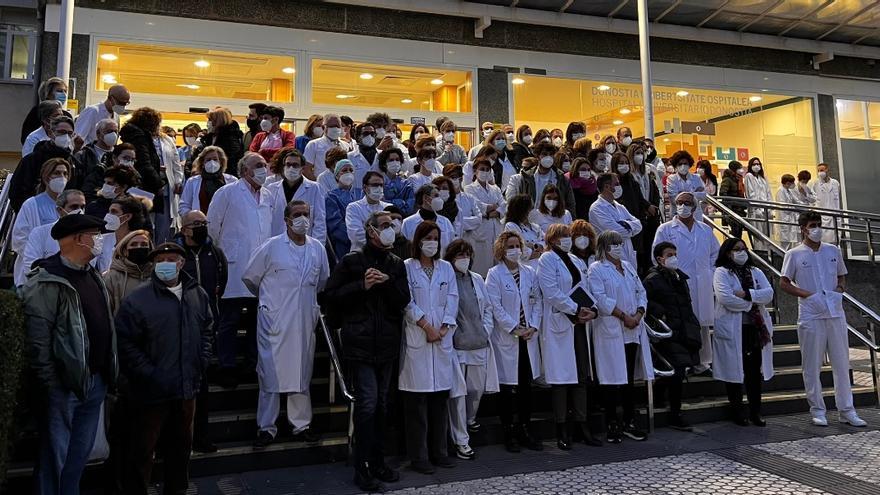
(233, 425)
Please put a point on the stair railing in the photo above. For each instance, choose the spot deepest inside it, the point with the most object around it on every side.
(669, 370)
(337, 376)
(7, 219)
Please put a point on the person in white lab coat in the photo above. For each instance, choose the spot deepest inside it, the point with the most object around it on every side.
(758, 189)
(38, 210)
(697, 251)
(516, 219)
(467, 220)
(327, 178)
(276, 196)
(429, 202)
(827, 191)
(606, 214)
(515, 295)
(208, 175)
(364, 157)
(427, 368)
(426, 161)
(238, 222)
(550, 210)
(565, 348)
(492, 207)
(40, 243)
(286, 273)
(169, 217)
(620, 344)
(789, 235)
(473, 350)
(743, 329)
(684, 181)
(316, 149)
(804, 191)
(814, 272)
(357, 212)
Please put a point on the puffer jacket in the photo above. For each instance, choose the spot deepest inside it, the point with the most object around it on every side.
(669, 299)
(165, 343)
(208, 266)
(124, 277)
(57, 343)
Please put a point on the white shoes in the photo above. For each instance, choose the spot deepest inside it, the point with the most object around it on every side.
(852, 419)
(819, 421)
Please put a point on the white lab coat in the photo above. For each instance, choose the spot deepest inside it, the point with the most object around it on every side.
(239, 225)
(827, 197)
(447, 231)
(484, 235)
(361, 165)
(460, 357)
(604, 216)
(727, 361)
(35, 211)
(545, 221)
(189, 200)
(697, 251)
(507, 299)
(356, 215)
(327, 181)
(428, 366)
(533, 240)
(419, 179)
(39, 245)
(468, 218)
(557, 336)
(675, 185)
(174, 174)
(288, 311)
(758, 189)
(788, 234)
(612, 290)
(310, 192)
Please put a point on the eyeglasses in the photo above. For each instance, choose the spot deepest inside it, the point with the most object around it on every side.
(196, 224)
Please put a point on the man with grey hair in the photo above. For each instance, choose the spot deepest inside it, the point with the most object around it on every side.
(97, 153)
(118, 98)
(239, 223)
(286, 273)
(316, 149)
(39, 243)
(47, 110)
(60, 144)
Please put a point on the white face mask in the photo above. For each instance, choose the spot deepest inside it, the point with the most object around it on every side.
(429, 248)
(463, 264)
(444, 195)
(610, 148)
(112, 221)
(449, 136)
(110, 138)
(684, 211)
(756, 168)
(683, 169)
(212, 166)
(191, 141)
(615, 251)
(417, 136)
(815, 234)
(671, 263)
(57, 184)
(618, 192)
(108, 191)
(527, 139)
(484, 176)
(260, 175)
(317, 132)
(393, 167)
(510, 136)
(566, 166)
(299, 225)
(334, 133)
(387, 236)
(550, 204)
(437, 204)
(584, 174)
(97, 245)
(822, 175)
(602, 163)
(526, 253)
(513, 255)
(557, 141)
(380, 133)
(487, 132)
(701, 172)
(741, 171)
(740, 257)
(627, 140)
(639, 158)
(119, 109)
(395, 225)
(292, 173)
(670, 170)
(266, 125)
(430, 164)
(546, 161)
(62, 141)
(565, 244)
(623, 168)
(368, 141)
(346, 179)
(376, 193)
(582, 242)
(576, 135)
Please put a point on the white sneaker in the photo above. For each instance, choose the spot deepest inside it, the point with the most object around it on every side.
(819, 421)
(852, 419)
(465, 452)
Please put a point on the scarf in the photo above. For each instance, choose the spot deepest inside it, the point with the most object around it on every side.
(744, 274)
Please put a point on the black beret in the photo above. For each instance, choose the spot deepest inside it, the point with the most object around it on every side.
(167, 247)
(74, 224)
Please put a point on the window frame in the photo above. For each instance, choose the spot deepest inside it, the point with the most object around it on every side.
(10, 32)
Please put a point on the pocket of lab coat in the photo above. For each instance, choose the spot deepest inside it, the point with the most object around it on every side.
(835, 303)
(415, 337)
(609, 327)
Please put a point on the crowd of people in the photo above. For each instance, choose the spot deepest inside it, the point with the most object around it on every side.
(535, 258)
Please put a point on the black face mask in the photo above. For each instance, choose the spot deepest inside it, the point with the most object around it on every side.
(200, 234)
(650, 156)
(254, 125)
(138, 255)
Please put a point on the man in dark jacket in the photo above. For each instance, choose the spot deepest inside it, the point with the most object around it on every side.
(669, 300)
(164, 345)
(369, 291)
(96, 155)
(27, 175)
(206, 264)
(533, 182)
(71, 350)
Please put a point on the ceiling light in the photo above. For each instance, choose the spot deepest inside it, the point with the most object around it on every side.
(437, 82)
(188, 86)
(617, 122)
(518, 80)
(755, 98)
(765, 90)
(108, 78)
(202, 63)
(406, 100)
(603, 87)
(365, 76)
(665, 140)
(109, 57)
(625, 111)
(288, 70)
(682, 93)
(344, 97)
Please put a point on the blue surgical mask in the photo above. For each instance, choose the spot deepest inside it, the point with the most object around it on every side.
(61, 97)
(166, 271)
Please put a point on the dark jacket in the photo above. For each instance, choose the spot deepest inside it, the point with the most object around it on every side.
(669, 299)
(371, 320)
(566, 195)
(165, 343)
(731, 187)
(26, 177)
(632, 197)
(518, 152)
(229, 138)
(147, 161)
(57, 342)
(91, 170)
(207, 265)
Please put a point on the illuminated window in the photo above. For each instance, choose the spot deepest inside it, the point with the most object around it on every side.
(858, 119)
(182, 71)
(390, 86)
(17, 47)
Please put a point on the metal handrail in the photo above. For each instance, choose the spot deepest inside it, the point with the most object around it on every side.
(7, 218)
(666, 331)
(788, 206)
(334, 360)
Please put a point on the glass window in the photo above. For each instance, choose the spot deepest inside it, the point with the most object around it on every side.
(183, 71)
(390, 86)
(851, 119)
(21, 53)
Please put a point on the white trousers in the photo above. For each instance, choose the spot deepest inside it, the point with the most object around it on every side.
(816, 337)
(706, 349)
(299, 411)
(463, 410)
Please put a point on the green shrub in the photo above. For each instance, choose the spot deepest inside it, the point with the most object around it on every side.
(11, 365)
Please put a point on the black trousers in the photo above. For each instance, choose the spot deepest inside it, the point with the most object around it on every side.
(752, 380)
(371, 382)
(563, 395)
(200, 422)
(518, 397)
(671, 387)
(235, 313)
(173, 420)
(623, 395)
(427, 425)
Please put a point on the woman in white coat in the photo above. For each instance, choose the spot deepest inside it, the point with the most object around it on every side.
(743, 329)
(473, 351)
(208, 175)
(516, 219)
(620, 344)
(170, 161)
(427, 372)
(758, 189)
(516, 305)
(789, 235)
(565, 349)
(550, 210)
(492, 207)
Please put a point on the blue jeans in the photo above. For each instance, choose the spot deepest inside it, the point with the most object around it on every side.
(68, 436)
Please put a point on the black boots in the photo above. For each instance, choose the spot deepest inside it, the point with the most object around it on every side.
(562, 439)
(510, 440)
(587, 435)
